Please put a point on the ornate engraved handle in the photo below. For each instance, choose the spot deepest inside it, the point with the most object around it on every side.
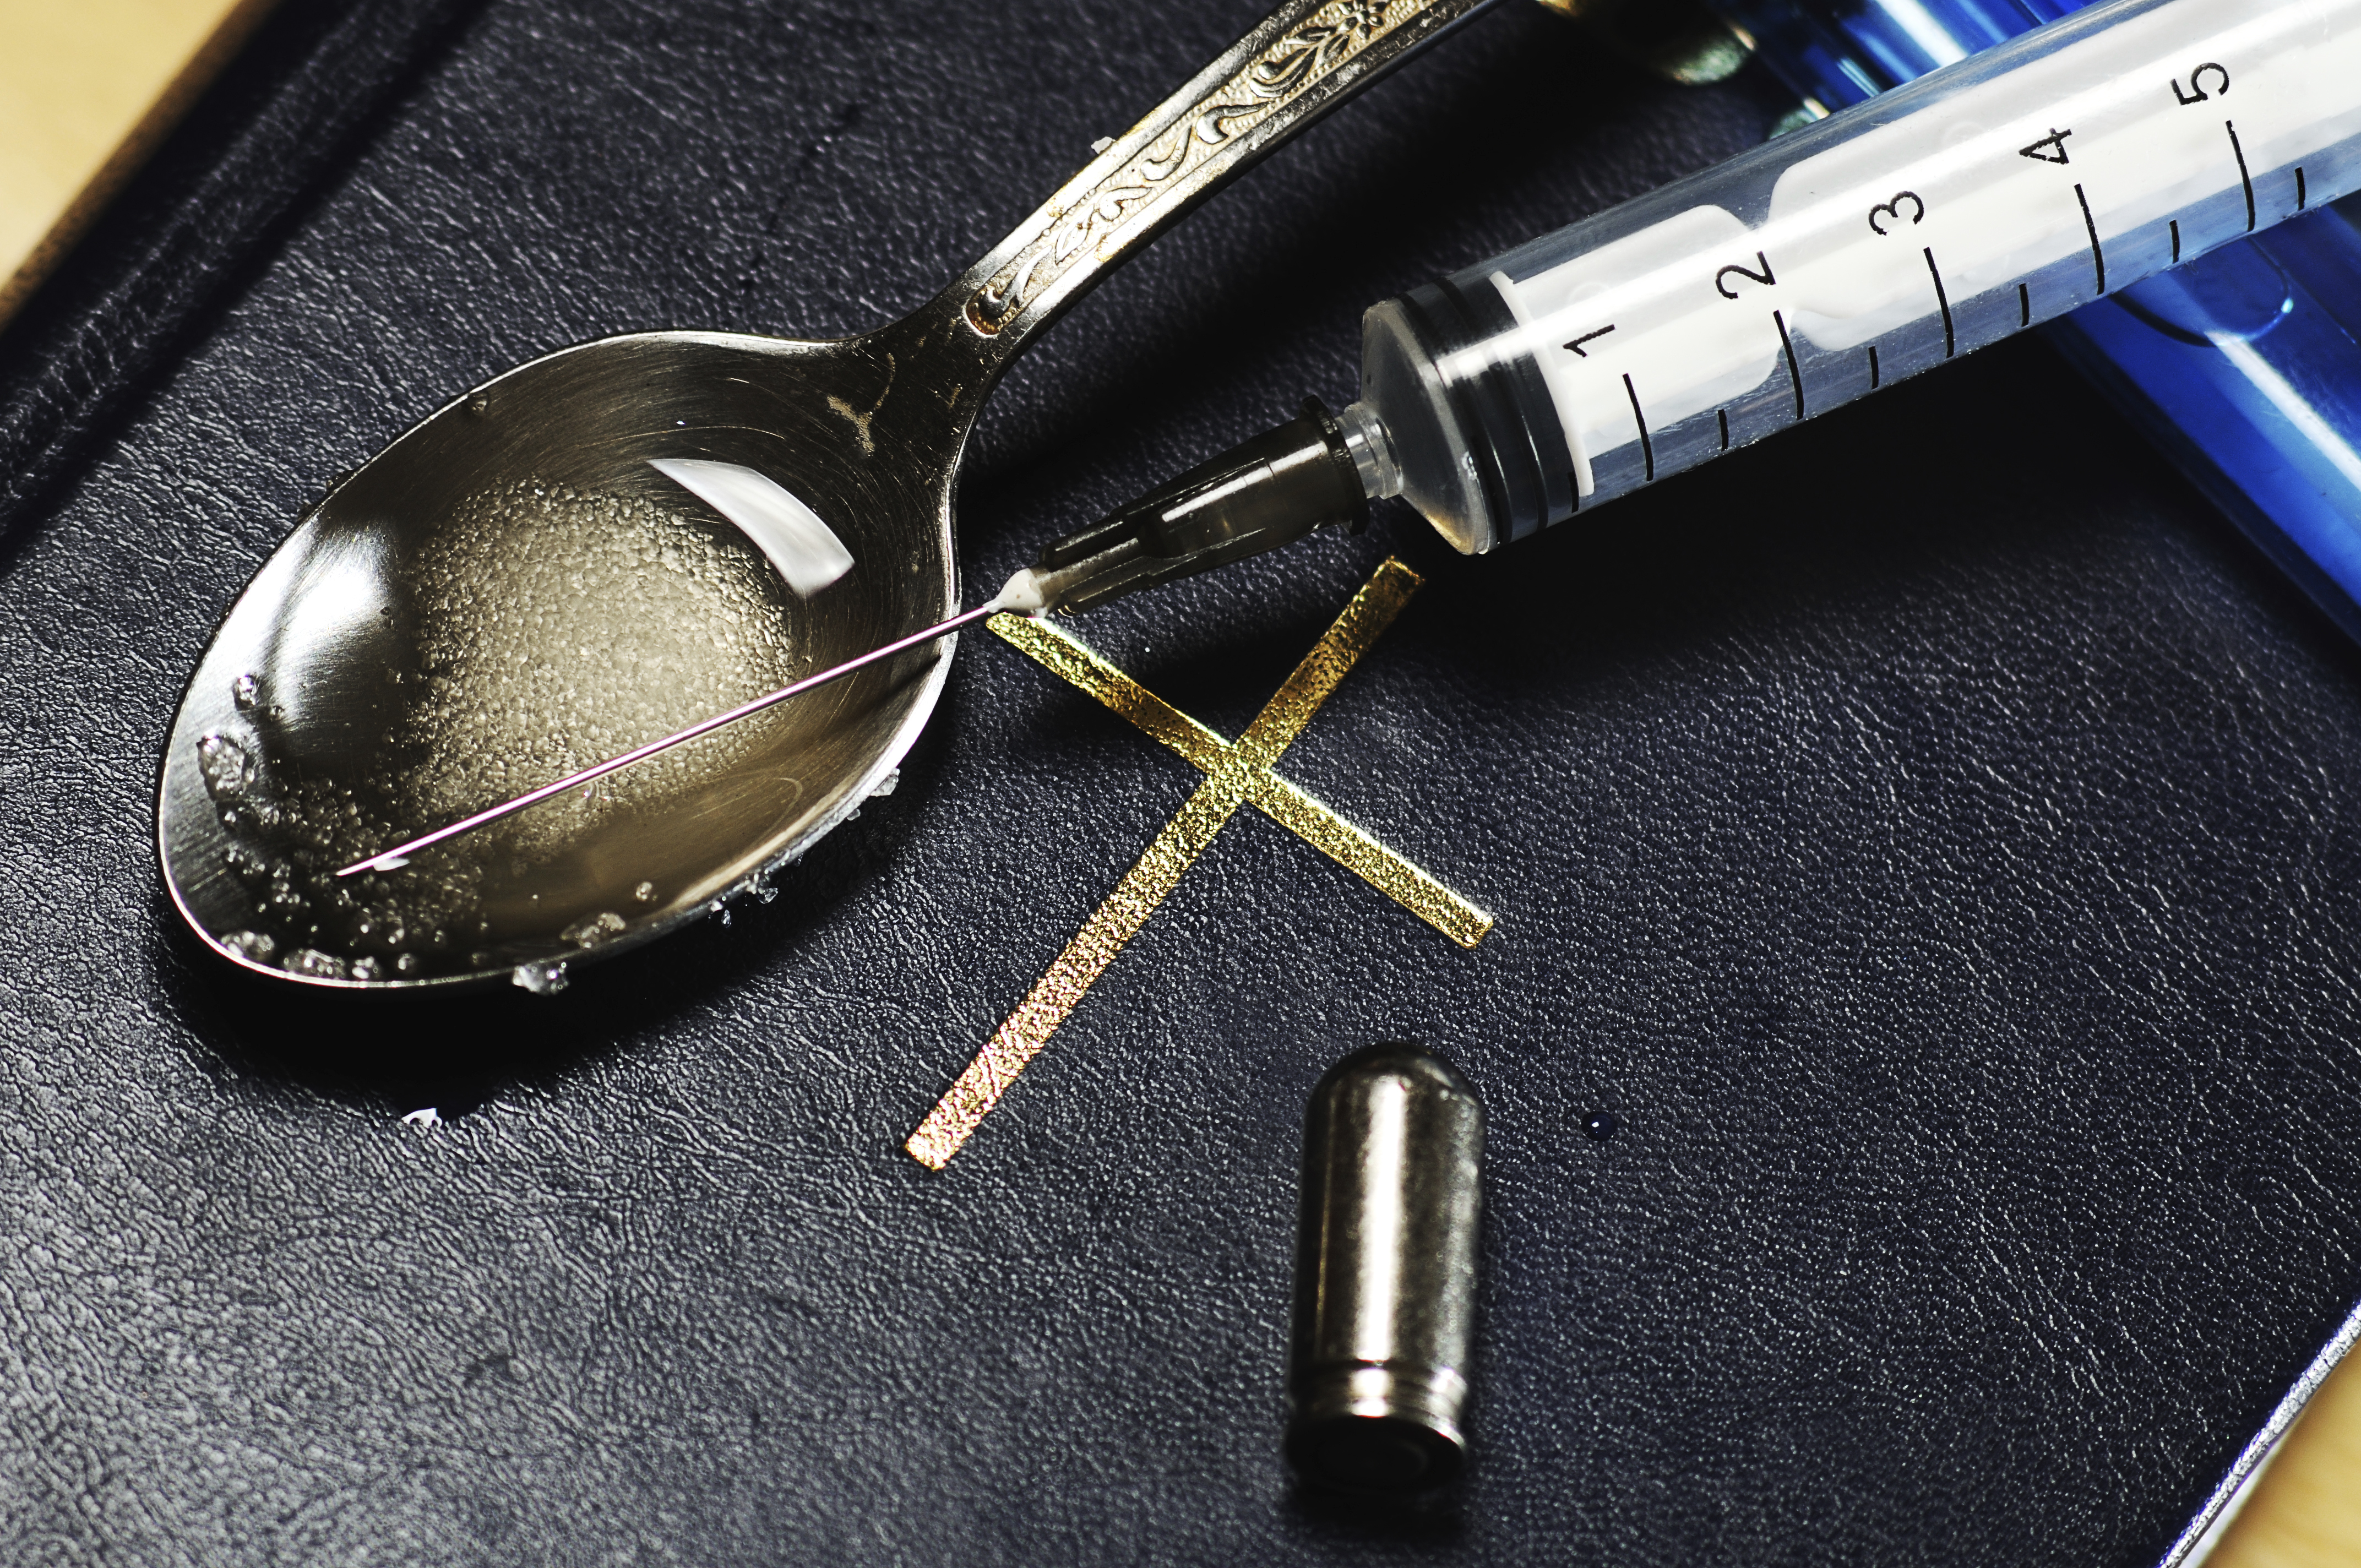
(1305, 58)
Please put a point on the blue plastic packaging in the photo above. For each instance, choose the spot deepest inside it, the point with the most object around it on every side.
(2241, 366)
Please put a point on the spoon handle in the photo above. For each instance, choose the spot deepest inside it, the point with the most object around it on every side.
(1306, 57)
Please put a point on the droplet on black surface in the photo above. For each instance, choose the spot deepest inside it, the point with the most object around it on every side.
(1601, 1125)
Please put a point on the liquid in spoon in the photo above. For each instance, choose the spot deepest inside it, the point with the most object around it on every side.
(551, 626)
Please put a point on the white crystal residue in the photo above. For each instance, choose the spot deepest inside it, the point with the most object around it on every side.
(542, 980)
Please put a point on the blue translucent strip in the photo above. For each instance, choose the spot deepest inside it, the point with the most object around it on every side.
(2241, 366)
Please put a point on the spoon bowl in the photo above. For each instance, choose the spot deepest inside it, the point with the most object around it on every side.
(500, 594)
(510, 591)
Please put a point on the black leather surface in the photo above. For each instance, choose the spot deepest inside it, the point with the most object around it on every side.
(1934, 833)
(243, 163)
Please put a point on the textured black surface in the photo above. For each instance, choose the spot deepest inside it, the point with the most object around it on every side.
(1932, 834)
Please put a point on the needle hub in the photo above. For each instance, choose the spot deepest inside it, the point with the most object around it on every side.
(1258, 496)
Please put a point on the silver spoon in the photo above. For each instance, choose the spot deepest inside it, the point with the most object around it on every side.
(508, 591)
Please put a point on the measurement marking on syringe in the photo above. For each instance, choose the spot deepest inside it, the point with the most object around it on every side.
(1795, 375)
(1950, 339)
(1721, 278)
(1581, 353)
(2055, 141)
(1842, 203)
(2098, 257)
(1647, 448)
(2196, 93)
(2240, 154)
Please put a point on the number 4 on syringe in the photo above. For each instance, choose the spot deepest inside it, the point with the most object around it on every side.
(2054, 146)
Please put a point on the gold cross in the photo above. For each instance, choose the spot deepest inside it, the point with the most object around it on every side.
(1236, 773)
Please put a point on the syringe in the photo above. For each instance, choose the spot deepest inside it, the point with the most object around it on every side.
(2243, 366)
(2002, 190)
(1998, 192)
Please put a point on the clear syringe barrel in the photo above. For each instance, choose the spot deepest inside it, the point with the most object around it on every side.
(1989, 196)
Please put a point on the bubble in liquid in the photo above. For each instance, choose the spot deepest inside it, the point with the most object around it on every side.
(228, 771)
(254, 944)
(558, 627)
(603, 926)
(314, 964)
(284, 903)
(542, 980)
(553, 626)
